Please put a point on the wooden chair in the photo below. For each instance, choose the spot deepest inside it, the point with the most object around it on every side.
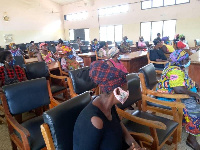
(158, 70)
(79, 81)
(24, 97)
(40, 69)
(148, 81)
(58, 132)
(2, 117)
(152, 131)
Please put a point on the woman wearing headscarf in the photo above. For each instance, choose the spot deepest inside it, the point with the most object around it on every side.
(125, 46)
(141, 43)
(166, 44)
(10, 73)
(173, 80)
(115, 59)
(182, 44)
(98, 126)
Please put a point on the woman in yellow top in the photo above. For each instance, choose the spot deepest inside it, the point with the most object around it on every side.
(174, 79)
(167, 44)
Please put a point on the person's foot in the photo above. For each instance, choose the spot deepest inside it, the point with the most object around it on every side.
(192, 142)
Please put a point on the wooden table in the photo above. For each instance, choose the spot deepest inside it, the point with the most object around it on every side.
(194, 68)
(133, 48)
(53, 65)
(88, 58)
(30, 60)
(134, 61)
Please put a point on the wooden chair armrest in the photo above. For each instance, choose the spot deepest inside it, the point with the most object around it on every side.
(53, 103)
(157, 62)
(46, 133)
(149, 123)
(164, 103)
(175, 96)
(57, 77)
(19, 128)
(65, 73)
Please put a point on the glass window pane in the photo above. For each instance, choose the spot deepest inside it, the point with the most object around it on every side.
(169, 29)
(146, 4)
(103, 36)
(118, 33)
(87, 34)
(169, 2)
(146, 30)
(157, 3)
(110, 33)
(124, 8)
(71, 34)
(182, 1)
(156, 28)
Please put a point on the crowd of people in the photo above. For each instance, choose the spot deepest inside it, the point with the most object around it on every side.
(100, 119)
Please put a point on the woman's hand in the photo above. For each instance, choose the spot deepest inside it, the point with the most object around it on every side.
(132, 147)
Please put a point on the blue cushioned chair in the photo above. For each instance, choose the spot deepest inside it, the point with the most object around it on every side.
(20, 98)
(59, 123)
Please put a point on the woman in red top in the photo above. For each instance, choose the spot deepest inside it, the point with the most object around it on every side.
(9, 73)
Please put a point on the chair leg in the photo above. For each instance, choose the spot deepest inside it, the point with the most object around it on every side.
(14, 147)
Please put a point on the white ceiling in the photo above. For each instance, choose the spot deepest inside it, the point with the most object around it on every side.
(64, 2)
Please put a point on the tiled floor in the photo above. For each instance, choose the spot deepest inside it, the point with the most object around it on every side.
(6, 145)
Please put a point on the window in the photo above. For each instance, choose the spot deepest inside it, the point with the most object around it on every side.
(77, 16)
(149, 30)
(113, 10)
(111, 33)
(160, 3)
(71, 34)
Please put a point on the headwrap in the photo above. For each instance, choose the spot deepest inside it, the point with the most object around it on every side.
(177, 56)
(181, 36)
(113, 51)
(165, 39)
(181, 45)
(108, 78)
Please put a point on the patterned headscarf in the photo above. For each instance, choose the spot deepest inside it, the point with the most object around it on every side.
(108, 78)
(113, 51)
(177, 56)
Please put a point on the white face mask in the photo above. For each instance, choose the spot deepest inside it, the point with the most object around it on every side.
(123, 95)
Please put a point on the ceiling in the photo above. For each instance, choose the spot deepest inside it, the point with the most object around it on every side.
(64, 2)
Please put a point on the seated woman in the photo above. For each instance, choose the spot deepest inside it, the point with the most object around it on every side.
(98, 126)
(103, 51)
(59, 45)
(141, 43)
(95, 45)
(174, 79)
(167, 45)
(115, 59)
(68, 61)
(33, 49)
(157, 54)
(45, 54)
(182, 44)
(9, 73)
(15, 51)
(125, 47)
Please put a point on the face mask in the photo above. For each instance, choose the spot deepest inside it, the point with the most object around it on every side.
(95, 42)
(141, 40)
(187, 65)
(11, 63)
(123, 95)
(127, 41)
(119, 58)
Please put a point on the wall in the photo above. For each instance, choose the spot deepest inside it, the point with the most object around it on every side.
(187, 15)
(31, 20)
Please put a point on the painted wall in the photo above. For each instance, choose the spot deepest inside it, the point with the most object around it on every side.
(187, 16)
(31, 20)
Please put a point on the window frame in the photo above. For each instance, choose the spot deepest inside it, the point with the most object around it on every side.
(77, 13)
(151, 27)
(114, 31)
(161, 6)
(112, 7)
